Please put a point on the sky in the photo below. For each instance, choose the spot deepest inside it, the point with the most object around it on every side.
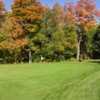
(50, 3)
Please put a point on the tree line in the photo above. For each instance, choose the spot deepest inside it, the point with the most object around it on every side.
(31, 31)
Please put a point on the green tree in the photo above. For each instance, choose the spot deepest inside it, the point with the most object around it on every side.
(96, 44)
(59, 41)
(71, 40)
(49, 24)
(86, 43)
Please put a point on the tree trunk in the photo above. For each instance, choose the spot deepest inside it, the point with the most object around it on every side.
(30, 57)
(78, 48)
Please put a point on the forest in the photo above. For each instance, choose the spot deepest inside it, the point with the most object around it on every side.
(31, 31)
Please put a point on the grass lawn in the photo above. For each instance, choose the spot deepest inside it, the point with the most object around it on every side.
(50, 81)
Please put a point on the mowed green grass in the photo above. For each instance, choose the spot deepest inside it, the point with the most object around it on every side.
(50, 81)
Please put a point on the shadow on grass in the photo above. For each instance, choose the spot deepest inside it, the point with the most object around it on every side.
(98, 62)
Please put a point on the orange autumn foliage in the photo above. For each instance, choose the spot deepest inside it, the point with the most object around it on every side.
(14, 33)
(83, 14)
(28, 13)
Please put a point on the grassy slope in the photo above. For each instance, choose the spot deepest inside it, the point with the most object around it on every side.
(50, 81)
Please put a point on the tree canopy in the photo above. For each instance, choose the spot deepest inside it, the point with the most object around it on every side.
(31, 31)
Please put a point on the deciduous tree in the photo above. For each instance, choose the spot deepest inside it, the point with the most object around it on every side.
(28, 13)
(83, 15)
(96, 44)
(13, 37)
